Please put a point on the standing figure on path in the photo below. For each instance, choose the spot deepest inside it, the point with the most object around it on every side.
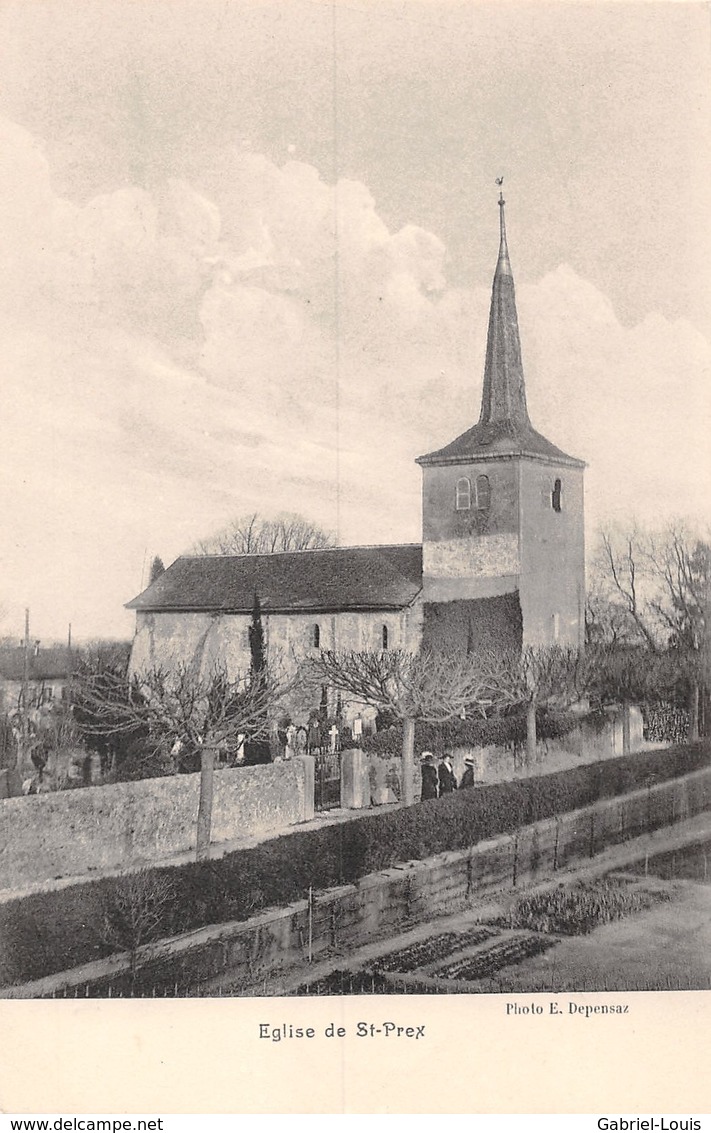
(429, 776)
(468, 776)
(290, 746)
(447, 779)
(314, 741)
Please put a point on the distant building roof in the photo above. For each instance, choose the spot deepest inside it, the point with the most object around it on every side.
(339, 578)
(53, 663)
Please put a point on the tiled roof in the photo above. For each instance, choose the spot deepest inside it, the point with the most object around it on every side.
(48, 664)
(499, 438)
(341, 578)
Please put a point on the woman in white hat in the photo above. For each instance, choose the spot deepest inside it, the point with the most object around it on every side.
(429, 776)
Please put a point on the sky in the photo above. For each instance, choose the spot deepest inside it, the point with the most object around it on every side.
(246, 253)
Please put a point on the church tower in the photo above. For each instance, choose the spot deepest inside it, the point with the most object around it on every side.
(502, 512)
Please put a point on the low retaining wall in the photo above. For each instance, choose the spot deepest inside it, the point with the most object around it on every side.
(591, 741)
(68, 833)
(386, 902)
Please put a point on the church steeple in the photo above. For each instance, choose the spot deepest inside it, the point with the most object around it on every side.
(503, 546)
(503, 400)
(504, 428)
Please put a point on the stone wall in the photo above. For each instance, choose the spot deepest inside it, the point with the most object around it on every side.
(390, 901)
(593, 739)
(70, 833)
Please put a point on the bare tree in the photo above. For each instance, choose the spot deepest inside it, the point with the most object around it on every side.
(622, 578)
(133, 912)
(657, 585)
(531, 677)
(184, 710)
(427, 686)
(256, 535)
(680, 564)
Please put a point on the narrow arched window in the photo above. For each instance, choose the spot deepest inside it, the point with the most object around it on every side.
(556, 494)
(483, 493)
(316, 637)
(385, 637)
(463, 494)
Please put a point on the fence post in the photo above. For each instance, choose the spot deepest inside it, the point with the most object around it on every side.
(334, 926)
(592, 834)
(311, 923)
(555, 847)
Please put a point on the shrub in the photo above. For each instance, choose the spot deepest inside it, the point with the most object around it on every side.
(498, 731)
(49, 932)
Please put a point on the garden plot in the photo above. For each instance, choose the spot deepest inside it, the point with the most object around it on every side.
(510, 948)
(424, 952)
(493, 956)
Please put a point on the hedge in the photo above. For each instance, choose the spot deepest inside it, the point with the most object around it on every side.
(50, 932)
(499, 731)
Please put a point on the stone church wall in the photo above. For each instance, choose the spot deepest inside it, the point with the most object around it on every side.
(167, 639)
(552, 583)
(162, 638)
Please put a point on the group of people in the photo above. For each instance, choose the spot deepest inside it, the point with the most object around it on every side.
(441, 780)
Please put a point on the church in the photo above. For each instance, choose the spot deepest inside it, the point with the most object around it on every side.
(501, 562)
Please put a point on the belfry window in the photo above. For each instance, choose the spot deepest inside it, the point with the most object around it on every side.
(483, 493)
(463, 494)
(556, 494)
(385, 637)
(316, 637)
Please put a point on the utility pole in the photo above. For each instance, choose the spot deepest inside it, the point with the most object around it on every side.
(23, 749)
(26, 688)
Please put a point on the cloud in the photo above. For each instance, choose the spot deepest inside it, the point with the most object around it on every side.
(178, 356)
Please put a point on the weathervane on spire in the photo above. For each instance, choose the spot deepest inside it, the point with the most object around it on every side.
(502, 222)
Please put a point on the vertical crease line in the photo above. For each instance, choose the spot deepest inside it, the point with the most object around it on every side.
(336, 277)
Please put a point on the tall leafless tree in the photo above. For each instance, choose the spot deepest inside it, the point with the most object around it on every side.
(531, 677)
(428, 686)
(258, 535)
(657, 583)
(183, 709)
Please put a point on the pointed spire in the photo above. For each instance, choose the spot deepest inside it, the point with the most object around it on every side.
(504, 265)
(503, 399)
(504, 427)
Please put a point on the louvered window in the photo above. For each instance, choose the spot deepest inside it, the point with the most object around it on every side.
(556, 496)
(483, 493)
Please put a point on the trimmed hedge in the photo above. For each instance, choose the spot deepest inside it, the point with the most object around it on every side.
(49, 932)
(499, 731)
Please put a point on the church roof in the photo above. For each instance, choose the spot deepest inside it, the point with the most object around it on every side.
(338, 578)
(504, 427)
(499, 439)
